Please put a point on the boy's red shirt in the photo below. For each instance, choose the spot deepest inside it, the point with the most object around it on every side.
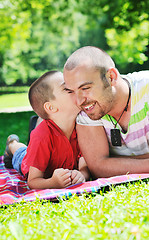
(50, 149)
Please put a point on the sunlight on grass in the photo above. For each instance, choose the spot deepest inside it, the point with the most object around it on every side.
(121, 213)
(14, 100)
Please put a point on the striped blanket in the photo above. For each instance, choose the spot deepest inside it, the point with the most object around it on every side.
(14, 188)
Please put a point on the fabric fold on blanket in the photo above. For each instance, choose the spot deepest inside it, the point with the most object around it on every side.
(14, 188)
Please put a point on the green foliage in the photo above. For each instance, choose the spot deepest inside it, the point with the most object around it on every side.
(121, 213)
(37, 36)
(36, 42)
(133, 47)
(12, 89)
(125, 28)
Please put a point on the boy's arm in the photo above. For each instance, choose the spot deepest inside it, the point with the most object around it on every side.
(83, 168)
(61, 178)
(81, 175)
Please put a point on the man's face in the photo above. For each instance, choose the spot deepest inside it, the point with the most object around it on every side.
(88, 91)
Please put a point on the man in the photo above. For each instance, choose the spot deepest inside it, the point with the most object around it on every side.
(114, 137)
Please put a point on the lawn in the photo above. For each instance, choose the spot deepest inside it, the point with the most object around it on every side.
(121, 213)
(21, 99)
(13, 97)
(17, 123)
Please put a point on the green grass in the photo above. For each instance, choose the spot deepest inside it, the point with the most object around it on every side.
(14, 100)
(122, 213)
(17, 123)
(13, 97)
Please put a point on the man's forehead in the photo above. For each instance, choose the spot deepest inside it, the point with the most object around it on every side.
(78, 74)
(80, 69)
(78, 83)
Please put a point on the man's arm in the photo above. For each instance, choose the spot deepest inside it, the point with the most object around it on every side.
(95, 149)
(61, 178)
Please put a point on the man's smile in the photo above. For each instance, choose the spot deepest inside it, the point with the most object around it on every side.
(89, 106)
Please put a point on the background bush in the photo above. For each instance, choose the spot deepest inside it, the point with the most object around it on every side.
(36, 36)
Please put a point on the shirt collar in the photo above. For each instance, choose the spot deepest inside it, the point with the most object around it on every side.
(58, 131)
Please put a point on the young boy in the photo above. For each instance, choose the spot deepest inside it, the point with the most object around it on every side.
(52, 156)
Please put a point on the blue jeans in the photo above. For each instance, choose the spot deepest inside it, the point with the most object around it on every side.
(18, 157)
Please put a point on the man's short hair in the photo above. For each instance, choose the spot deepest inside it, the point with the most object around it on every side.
(41, 91)
(97, 57)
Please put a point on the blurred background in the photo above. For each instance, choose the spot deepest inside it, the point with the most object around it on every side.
(39, 35)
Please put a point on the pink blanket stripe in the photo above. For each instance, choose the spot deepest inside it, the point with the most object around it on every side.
(14, 188)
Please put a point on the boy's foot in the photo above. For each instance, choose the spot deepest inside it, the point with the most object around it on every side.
(7, 154)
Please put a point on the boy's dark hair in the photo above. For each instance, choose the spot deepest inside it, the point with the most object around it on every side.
(41, 91)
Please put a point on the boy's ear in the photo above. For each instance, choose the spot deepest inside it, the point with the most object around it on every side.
(112, 75)
(49, 108)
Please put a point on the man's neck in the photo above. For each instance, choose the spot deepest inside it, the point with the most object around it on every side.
(120, 104)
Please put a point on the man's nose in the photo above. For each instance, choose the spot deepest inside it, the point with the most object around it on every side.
(79, 99)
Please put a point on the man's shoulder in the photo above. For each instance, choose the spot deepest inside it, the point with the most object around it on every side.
(83, 119)
(138, 76)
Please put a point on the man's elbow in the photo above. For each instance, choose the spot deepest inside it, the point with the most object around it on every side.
(97, 168)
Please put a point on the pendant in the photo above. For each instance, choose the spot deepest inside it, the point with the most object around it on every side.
(116, 137)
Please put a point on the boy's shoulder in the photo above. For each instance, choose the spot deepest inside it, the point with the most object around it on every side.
(41, 131)
(46, 129)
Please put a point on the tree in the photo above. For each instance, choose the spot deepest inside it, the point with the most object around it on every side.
(126, 28)
(39, 35)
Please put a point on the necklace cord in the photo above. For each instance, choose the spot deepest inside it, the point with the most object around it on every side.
(126, 107)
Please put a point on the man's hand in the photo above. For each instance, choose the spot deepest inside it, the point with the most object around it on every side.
(77, 177)
(61, 178)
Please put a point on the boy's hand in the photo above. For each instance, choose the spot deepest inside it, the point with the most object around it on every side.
(77, 177)
(61, 178)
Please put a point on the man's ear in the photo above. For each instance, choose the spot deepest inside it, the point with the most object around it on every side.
(112, 76)
(50, 108)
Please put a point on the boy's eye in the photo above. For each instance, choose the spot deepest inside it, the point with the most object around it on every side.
(68, 90)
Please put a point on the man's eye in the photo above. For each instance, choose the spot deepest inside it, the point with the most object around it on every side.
(69, 91)
(85, 88)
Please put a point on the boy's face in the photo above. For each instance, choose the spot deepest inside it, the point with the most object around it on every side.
(63, 100)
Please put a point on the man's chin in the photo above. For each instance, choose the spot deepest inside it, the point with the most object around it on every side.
(94, 117)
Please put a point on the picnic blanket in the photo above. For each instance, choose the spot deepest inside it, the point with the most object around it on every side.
(14, 188)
